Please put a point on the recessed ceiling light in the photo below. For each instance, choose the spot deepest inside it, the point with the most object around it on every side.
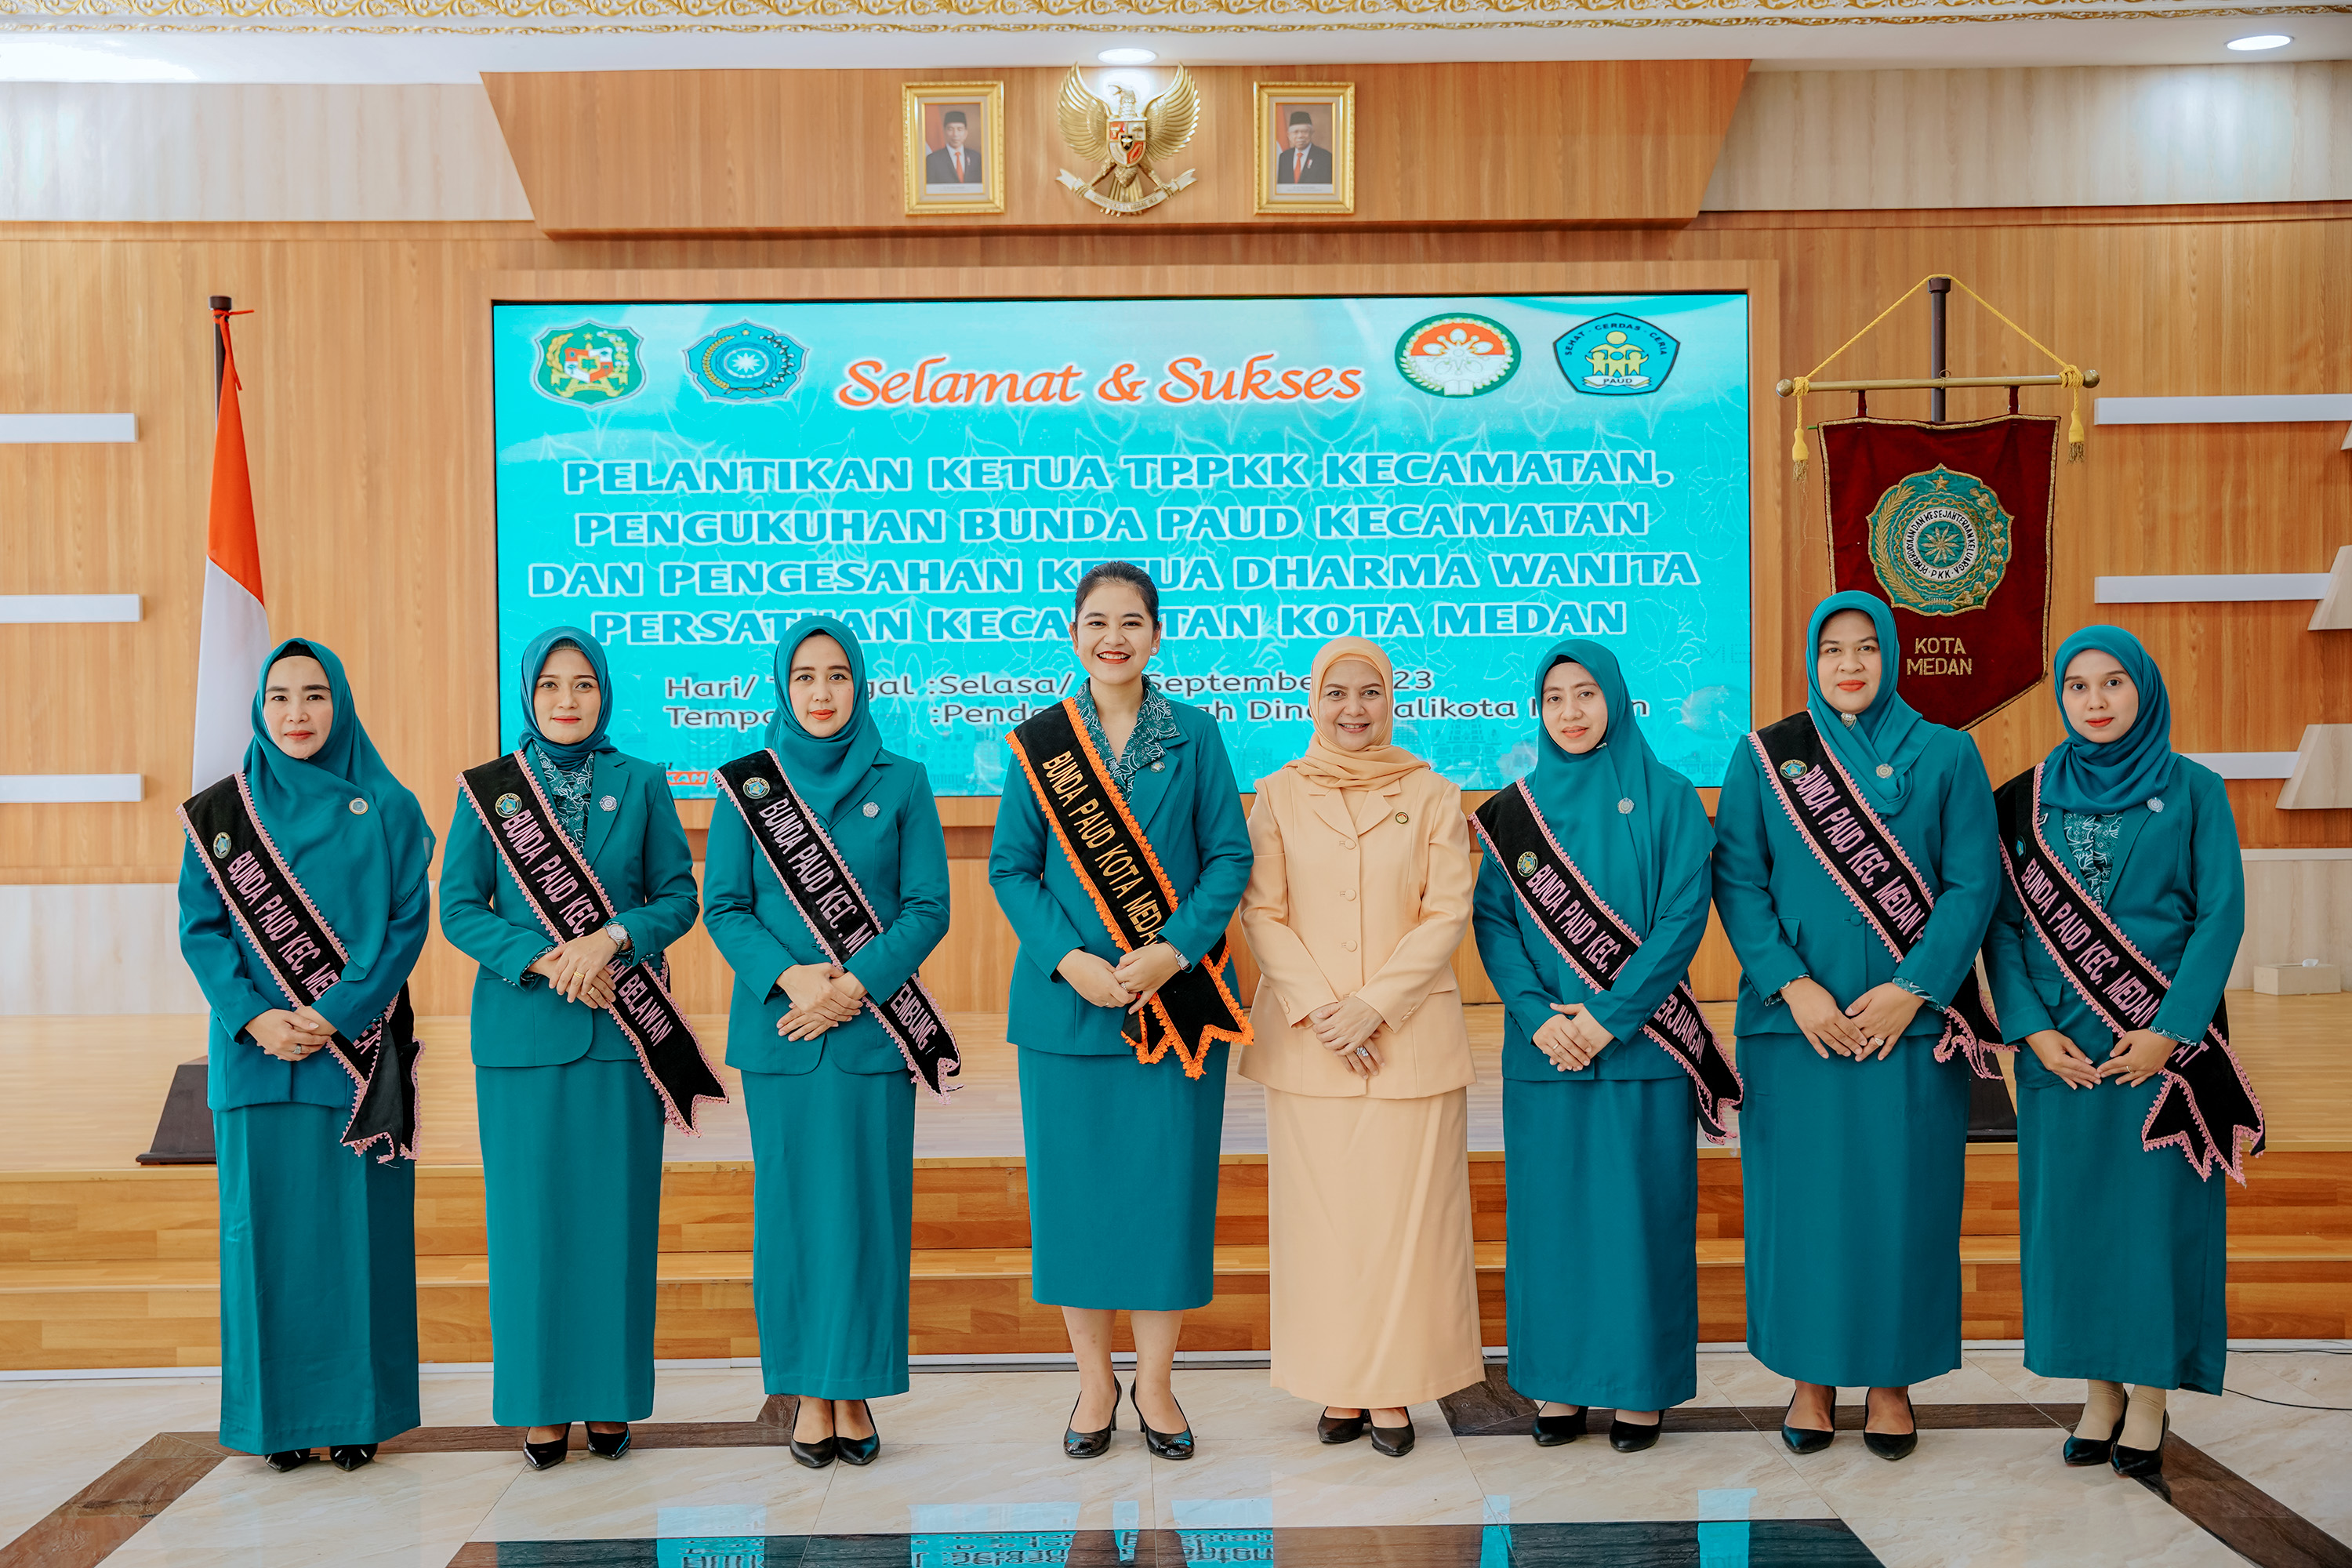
(1145, 57)
(2261, 41)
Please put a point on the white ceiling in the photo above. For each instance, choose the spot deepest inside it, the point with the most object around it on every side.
(410, 41)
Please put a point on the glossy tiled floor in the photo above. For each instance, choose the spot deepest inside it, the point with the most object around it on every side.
(970, 1475)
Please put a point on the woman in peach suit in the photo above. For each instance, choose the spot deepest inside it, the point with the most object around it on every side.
(1361, 893)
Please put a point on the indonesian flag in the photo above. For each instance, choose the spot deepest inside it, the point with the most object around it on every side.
(235, 627)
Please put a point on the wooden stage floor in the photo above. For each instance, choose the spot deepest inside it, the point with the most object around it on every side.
(82, 1093)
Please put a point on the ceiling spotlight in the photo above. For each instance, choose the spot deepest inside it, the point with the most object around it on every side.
(2261, 41)
(1145, 57)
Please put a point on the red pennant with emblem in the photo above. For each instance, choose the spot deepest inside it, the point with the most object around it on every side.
(1950, 525)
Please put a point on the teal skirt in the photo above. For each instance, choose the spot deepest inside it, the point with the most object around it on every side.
(832, 1218)
(1601, 1276)
(1853, 1173)
(2125, 1250)
(1122, 1167)
(317, 1283)
(572, 1166)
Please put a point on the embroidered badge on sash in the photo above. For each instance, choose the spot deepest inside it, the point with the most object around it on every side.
(2206, 1109)
(1866, 861)
(1115, 864)
(1598, 945)
(821, 887)
(568, 900)
(304, 957)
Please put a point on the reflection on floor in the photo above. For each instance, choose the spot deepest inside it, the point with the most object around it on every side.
(971, 1475)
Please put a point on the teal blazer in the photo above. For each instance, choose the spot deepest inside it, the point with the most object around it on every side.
(1786, 917)
(238, 987)
(900, 859)
(1190, 808)
(1530, 975)
(2179, 892)
(639, 852)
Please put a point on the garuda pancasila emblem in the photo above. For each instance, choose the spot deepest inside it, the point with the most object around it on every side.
(1128, 140)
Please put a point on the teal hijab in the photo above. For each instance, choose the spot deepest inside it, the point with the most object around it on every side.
(1631, 857)
(358, 867)
(826, 770)
(2085, 775)
(534, 659)
(1889, 733)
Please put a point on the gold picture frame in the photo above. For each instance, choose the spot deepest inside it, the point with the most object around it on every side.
(1327, 111)
(932, 109)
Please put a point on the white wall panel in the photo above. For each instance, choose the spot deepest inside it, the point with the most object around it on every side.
(94, 947)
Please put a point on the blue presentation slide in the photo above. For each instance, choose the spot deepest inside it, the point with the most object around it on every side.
(1466, 480)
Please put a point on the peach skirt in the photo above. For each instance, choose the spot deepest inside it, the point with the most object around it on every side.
(1374, 1285)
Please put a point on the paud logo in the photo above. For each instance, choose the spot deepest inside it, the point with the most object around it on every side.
(1939, 541)
(1616, 356)
(589, 363)
(746, 362)
(1457, 356)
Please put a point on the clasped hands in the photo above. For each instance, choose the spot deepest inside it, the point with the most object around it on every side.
(824, 995)
(581, 969)
(1350, 1027)
(1129, 983)
(290, 1037)
(1867, 1027)
(1573, 1038)
(2136, 1058)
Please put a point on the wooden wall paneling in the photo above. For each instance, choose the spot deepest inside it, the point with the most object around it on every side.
(644, 152)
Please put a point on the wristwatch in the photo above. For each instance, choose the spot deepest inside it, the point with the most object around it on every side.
(620, 935)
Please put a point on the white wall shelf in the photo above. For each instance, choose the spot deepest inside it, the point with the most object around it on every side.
(52, 789)
(67, 609)
(39, 429)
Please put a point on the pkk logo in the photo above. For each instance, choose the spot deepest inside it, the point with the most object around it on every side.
(589, 363)
(1616, 356)
(1457, 356)
(746, 362)
(1939, 541)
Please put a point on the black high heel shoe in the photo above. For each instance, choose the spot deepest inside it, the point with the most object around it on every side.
(1396, 1442)
(1342, 1428)
(1077, 1445)
(609, 1444)
(1632, 1437)
(349, 1457)
(814, 1455)
(1894, 1445)
(2141, 1464)
(1173, 1445)
(1808, 1439)
(290, 1460)
(548, 1455)
(856, 1450)
(2084, 1451)
(1551, 1431)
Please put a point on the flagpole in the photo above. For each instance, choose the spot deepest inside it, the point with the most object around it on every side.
(219, 303)
(1939, 291)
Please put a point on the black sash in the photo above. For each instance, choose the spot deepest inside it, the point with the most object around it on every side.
(1867, 863)
(570, 902)
(304, 958)
(2206, 1109)
(836, 908)
(1116, 866)
(1598, 945)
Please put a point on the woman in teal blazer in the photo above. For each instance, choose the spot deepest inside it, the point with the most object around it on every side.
(318, 1244)
(570, 1125)
(2125, 1247)
(1121, 1156)
(831, 1101)
(1601, 1277)
(1852, 1136)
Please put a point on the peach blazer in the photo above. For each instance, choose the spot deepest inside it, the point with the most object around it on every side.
(1372, 900)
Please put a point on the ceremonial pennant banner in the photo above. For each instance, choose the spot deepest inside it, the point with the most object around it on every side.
(1950, 525)
(1597, 943)
(817, 879)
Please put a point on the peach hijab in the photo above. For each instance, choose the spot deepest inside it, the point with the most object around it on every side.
(1377, 764)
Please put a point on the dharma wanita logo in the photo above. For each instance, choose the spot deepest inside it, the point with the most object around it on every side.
(1940, 541)
(1616, 356)
(1457, 356)
(589, 363)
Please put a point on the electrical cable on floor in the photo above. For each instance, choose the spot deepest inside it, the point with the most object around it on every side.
(2283, 1404)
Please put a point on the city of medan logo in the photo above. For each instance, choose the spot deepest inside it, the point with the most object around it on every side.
(1616, 356)
(589, 362)
(1940, 541)
(756, 788)
(1526, 862)
(1457, 356)
(746, 362)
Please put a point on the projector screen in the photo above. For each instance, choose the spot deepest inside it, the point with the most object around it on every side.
(1466, 480)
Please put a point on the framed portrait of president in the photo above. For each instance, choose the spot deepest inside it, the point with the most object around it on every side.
(1306, 147)
(954, 154)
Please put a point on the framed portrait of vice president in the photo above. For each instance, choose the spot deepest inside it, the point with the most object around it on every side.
(1306, 146)
(954, 154)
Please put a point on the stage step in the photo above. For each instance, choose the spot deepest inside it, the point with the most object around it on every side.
(117, 1268)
